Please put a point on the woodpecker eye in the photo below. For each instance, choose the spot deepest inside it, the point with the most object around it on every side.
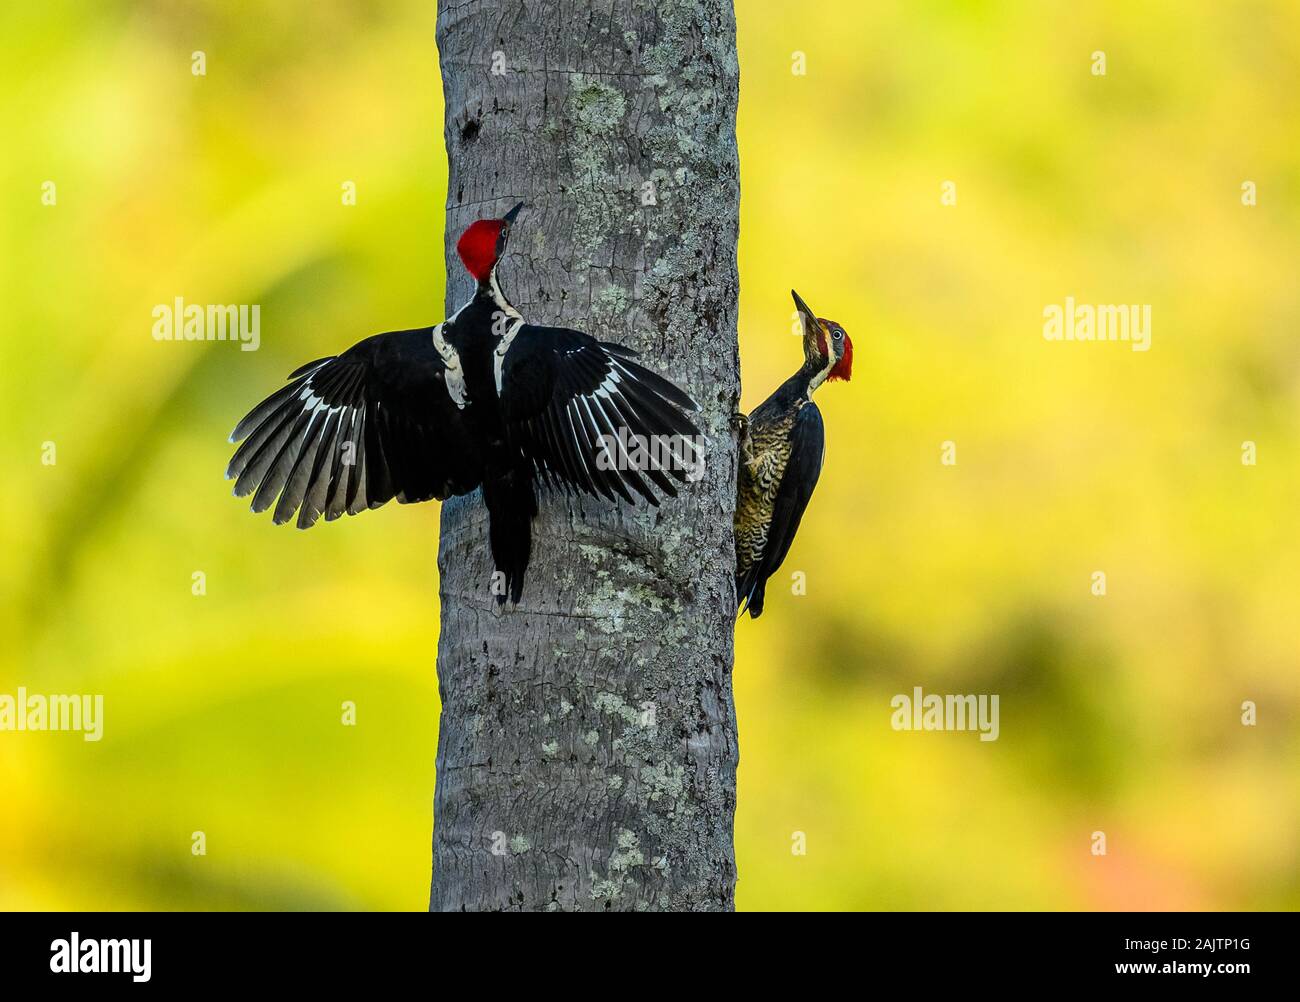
(837, 334)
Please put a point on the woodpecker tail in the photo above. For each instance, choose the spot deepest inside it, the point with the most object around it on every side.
(750, 589)
(512, 504)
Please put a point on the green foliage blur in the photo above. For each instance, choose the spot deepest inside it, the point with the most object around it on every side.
(1119, 713)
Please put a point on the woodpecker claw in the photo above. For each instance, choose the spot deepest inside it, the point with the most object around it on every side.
(741, 423)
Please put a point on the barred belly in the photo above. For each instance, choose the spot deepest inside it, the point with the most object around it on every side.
(760, 478)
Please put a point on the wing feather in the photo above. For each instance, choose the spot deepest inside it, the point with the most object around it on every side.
(386, 399)
(571, 402)
(802, 469)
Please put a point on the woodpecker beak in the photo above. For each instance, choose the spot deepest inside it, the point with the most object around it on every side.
(506, 222)
(809, 317)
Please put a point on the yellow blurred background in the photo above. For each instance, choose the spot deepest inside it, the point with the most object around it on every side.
(1119, 713)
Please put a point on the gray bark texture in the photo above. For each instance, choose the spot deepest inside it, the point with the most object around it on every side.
(587, 749)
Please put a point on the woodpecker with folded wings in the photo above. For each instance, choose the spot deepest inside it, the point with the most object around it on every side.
(782, 446)
(483, 399)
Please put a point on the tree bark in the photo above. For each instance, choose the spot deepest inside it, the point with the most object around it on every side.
(587, 747)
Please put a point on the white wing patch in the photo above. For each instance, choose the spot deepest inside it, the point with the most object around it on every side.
(499, 356)
(610, 383)
(454, 380)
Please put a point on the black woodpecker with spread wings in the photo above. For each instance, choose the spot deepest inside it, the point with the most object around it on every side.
(782, 445)
(483, 399)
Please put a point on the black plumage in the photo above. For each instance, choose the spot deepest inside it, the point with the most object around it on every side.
(566, 396)
(354, 431)
(483, 399)
(806, 449)
(782, 446)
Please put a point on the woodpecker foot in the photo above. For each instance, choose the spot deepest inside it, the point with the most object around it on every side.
(740, 422)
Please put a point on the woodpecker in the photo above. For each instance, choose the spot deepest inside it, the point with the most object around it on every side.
(483, 399)
(782, 447)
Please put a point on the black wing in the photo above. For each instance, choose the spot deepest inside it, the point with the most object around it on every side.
(807, 450)
(591, 418)
(353, 431)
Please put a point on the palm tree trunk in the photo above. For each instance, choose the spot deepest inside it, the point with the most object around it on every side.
(587, 749)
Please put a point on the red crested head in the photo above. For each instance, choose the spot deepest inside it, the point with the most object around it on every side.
(825, 343)
(481, 245)
(478, 247)
(844, 367)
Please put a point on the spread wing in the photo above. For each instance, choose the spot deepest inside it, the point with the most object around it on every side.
(355, 430)
(807, 450)
(590, 417)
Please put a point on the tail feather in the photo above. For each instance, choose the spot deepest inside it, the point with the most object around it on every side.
(512, 505)
(750, 590)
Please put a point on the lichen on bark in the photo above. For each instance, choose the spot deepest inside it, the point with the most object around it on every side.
(587, 746)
